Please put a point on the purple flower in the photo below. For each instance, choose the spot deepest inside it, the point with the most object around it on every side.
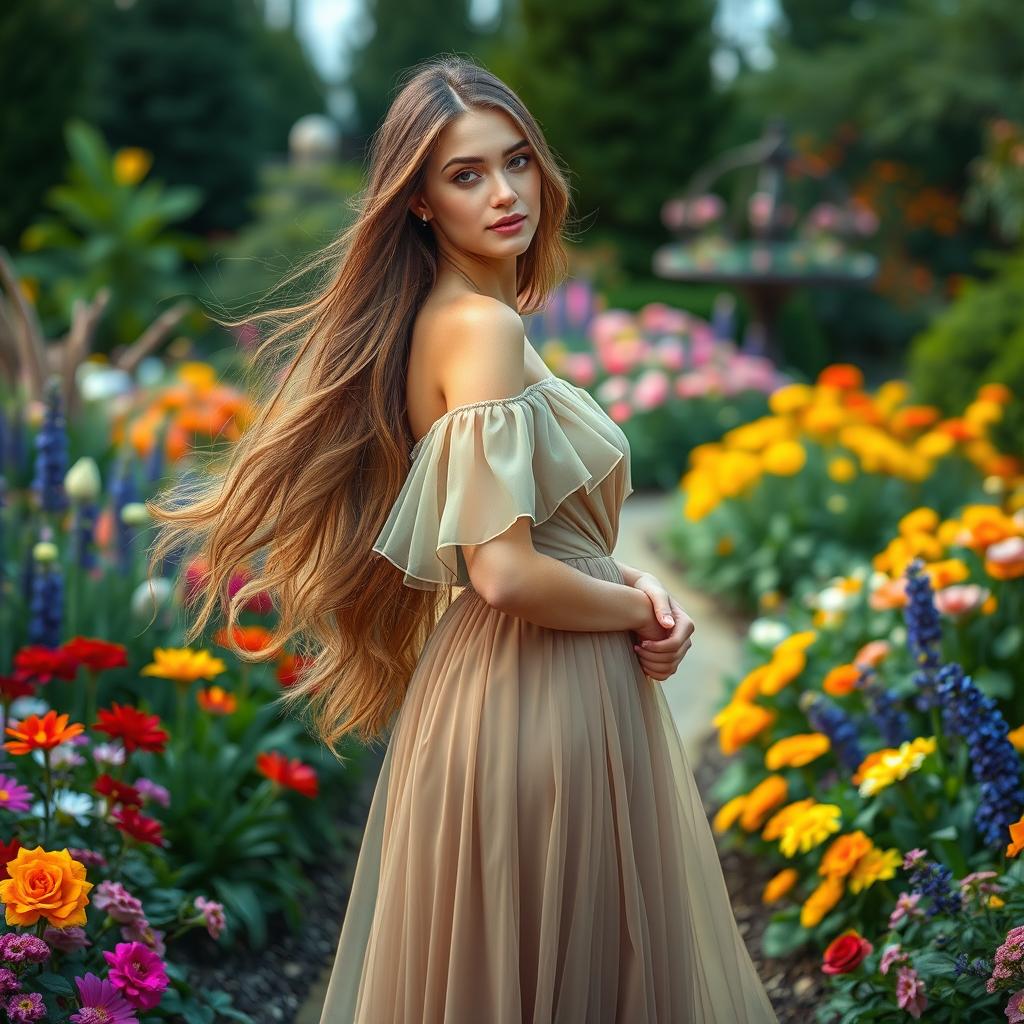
(25, 1007)
(143, 931)
(934, 881)
(51, 453)
(90, 858)
(924, 632)
(911, 857)
(154, 791)
(67, 940)
(101, 1003)
(18, 947)
(14, 797)
(1015, 1008)
(8, 981)
(138, 973)
(118, 902)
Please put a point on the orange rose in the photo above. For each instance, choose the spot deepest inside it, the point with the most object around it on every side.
(45, 883)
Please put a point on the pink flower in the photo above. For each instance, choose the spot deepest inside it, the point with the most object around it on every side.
(906, 906)
(14, 797)
(620, 411)
(581, 368)
(891, 955)
(651, 390)
(138, 973)
(67, 940)
(118, 902)
(578, 301)
(671, 353)
(659, 318)
(704, 210)
(759, 209)
(960, 599)
(1015, 1008)
(911, 857)
(101, 1002)
(614, 389)
(213, 915)
(910, 994)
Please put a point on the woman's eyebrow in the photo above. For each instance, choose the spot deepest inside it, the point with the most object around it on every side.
(480, 159)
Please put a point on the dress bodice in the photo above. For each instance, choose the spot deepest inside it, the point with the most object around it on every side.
(550, 453)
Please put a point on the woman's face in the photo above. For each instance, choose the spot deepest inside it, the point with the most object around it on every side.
(481, 170)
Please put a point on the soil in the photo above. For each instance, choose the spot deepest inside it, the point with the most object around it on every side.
(795, 984)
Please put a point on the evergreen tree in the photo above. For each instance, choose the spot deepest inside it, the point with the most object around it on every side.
(625, 96)
(40, 92)
(402, 36)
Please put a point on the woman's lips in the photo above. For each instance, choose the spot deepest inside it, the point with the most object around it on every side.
(509, 229)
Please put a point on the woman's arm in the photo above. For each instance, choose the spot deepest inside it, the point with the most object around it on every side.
(629, 574)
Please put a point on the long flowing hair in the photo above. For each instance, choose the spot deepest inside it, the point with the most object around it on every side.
(294, 507)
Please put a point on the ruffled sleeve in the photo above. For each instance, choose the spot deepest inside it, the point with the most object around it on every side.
(482, 466)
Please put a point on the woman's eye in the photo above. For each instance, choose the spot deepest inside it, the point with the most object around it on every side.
(465, 181)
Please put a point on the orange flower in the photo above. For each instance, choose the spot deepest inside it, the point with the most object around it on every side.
(995, 392)
(217, 701)
(841, 680)
(782, 670)
(739, 722)
(728, 813)
(35, 733)
(47, 884)
(872, 759)
(249, 638)
(1005, 559)
(822, 900)
(845, 376)
(796, 750)
(1016, 838)
(842, 855)
(778, 885)
(872, 653)
(762, 800)
(750, 685)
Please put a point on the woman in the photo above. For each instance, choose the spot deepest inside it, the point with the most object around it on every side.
(536, 848)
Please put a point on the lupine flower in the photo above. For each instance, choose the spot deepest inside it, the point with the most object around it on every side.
(101, 1003)
(886, 710)
(979, 967)
(995, 763)
(924, 632)
(51, 453)
(934, 882)
(828, 718)
(46, 599)
(123, 491)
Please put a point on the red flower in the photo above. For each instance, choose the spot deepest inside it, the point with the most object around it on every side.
(289, 666)
(12, 687)
(40, 664)
(117, 792)
(138, 826)
(96, 654)
(293, 774)
(845, 952)
(8, 851)
(136, 729)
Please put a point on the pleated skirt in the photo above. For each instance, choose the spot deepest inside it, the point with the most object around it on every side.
(536, 849)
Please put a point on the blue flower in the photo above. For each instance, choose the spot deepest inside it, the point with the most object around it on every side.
(934, 881)
(995, 763)
(924, 633)
(51, 454)
(828, 718)
(885, 708)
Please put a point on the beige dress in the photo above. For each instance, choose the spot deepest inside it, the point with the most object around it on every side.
(536, 849)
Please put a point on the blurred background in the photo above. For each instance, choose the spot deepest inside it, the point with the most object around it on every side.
(797, 283)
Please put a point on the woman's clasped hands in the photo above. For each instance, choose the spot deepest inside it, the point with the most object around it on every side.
(662, 645)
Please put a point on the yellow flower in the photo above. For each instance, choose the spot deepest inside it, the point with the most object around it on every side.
(790, 398)
(820, 420)
(784, 458)
(875, 865)
(995, 902)
(895, 765)
(728, 813)
(45, 883)
(822, 900)
(762, 800)
(1016, 737)
(201, 377)
(725, 546)
(778, 822)
(797, 750)
(982, 413)
(779, 884)
(934, 444)
(739, 722)
(183, 665)
(947, 572)
(842, 469)
(750, 685)
(920, 520)
(131, 165)
(809, 829)
(796, 641)
(734, 472)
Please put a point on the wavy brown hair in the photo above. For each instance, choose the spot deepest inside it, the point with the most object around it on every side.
(298, 501)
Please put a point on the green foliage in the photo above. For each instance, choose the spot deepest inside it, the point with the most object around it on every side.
(107, 232)
(39, 94)
(978, 339)
(625, 96)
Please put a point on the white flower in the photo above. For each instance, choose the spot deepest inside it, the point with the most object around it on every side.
(82, 480)
(765, 632)
(22, 707)
(71, 805)
(108, 753)
(143, 603)
(834, 599)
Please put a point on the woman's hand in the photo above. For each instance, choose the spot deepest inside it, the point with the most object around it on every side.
(660, 650)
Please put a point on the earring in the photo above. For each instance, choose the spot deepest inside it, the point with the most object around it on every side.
(424, 218)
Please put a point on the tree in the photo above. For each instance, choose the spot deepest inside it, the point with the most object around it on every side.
(625, 95)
